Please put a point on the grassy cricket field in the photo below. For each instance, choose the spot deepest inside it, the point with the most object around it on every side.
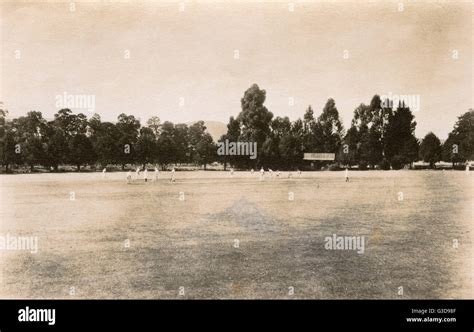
(213, 235)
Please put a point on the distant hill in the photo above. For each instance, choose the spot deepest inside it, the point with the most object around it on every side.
(215, 128)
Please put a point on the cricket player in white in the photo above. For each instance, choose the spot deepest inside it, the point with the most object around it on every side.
(103, 172)
(129, 177)
(172, 175)
(137, 173)
(347, 174)
(156, 174)
(262, 173)
(145, 174)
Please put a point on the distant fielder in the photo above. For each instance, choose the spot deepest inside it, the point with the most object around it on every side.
(346, 175)
(172, 175)
(155, 177)
(145, 175)
(129, 177)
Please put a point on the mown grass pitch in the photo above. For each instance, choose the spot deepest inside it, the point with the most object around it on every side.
(210, 235)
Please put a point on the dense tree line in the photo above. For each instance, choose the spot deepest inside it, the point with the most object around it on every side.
(75, 140)
(381, 135)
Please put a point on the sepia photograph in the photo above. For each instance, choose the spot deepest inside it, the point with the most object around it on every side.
(236, 150)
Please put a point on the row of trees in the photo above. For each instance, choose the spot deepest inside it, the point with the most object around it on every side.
(380, 135)
(73, 139)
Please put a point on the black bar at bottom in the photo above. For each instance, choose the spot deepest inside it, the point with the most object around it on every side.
(403, 315)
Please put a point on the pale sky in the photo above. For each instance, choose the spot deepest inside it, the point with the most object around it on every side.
(47, 49)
